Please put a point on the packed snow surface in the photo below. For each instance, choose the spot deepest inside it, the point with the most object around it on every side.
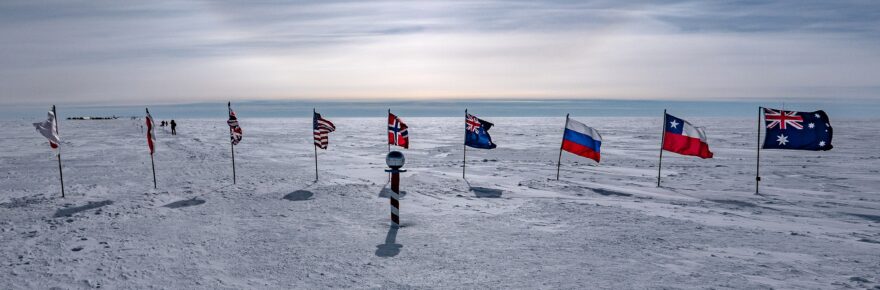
(510, 224)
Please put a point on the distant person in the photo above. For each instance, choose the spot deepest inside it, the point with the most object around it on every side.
(173, 127)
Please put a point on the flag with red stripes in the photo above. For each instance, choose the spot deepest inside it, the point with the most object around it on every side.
(151, 135)
(397, 131)
(322, 128)
(234, 129)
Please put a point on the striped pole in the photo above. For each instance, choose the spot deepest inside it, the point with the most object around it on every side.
(394, 198)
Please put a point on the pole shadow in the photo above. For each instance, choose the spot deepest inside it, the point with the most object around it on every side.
(73, 210)
(390, 248)
(185, 203)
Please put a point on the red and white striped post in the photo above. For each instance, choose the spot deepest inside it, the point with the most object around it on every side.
(395, 161)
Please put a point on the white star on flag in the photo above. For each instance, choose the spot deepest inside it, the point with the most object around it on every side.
(821, 143)
(817, 116)
(782, 139)
(811, 125)
(673, 124)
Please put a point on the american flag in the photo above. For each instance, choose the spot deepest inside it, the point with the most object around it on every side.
(234, 129)
(397, 131)
(151, 135)
(322, 127)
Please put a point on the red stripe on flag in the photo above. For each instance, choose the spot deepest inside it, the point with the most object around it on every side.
(685, 145)
(579, 149)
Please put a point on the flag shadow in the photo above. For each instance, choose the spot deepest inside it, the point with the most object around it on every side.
(484, 192)
(73, 210)
(390, 248)
(299, 195)
(185, 203)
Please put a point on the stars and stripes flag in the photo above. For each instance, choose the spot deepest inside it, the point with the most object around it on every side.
(151, 134)
(683, 138)
(397, 131)
(234, 129)
(49, 129)
(322, 128)
(797, 130)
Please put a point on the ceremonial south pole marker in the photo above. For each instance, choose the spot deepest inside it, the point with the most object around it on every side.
(395, 161)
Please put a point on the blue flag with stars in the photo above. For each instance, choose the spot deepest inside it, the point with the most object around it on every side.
(797, 130)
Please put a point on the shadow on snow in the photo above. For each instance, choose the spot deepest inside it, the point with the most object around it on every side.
(185, 203)
(390, 248)
(73, 210)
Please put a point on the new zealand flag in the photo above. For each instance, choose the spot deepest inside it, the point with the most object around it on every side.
(476, 133)
(797, 130)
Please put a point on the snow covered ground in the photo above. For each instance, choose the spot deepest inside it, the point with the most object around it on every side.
(510, 225)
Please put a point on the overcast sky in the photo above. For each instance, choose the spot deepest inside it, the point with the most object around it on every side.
(124, 52)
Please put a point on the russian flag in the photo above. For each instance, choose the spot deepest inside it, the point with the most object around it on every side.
(580, 139)
(683, 138)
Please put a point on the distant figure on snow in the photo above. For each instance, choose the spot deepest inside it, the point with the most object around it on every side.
(173, 127)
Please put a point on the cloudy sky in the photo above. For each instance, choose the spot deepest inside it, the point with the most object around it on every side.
(124, 52)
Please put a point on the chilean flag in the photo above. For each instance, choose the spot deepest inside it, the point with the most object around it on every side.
(683, 138)
(580, 139)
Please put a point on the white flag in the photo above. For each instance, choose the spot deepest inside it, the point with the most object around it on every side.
(49, 129)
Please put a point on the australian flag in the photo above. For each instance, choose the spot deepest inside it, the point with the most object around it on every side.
(797, 130)
(476, 133)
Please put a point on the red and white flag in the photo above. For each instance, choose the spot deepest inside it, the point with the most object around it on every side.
(49, 129)
(397, 131)
(151, 135)
(321, 128)
(234, 129)
(683, 138)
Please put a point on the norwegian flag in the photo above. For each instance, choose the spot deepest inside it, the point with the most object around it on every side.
(397, 131)
(151, 135)
(322, 128)
(49, 129)
(234, 129)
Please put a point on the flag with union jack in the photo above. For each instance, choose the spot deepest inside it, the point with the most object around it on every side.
(322, 128)
(797, 130)
(397, 131)
(234, 129)
(476, 133)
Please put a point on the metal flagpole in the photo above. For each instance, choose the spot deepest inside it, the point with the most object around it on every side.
(559, 161)
(232, 144)
(315, 144)
(153, 163)
(60, 172)
(232, 148)
(464, 145)
(758, 161)
(389, 143)
(662, 141)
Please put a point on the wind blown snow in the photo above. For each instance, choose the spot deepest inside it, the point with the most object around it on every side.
(509, 225)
